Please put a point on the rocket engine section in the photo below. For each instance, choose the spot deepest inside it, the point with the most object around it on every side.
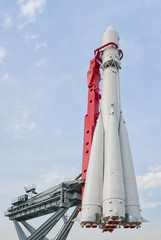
(110, 197)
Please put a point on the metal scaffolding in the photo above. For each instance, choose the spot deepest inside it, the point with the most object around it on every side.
(55, 200)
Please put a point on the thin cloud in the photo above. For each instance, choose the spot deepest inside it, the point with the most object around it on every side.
(29, 38)
(22, 125)
(7, 21)
(32, 125)
(155, 169)
(21, 25)
(149, 180)
(29, 10)
(52, 176)
(150, 204)
(2, 54)
(20, 1)
(58, 175)
(41, 62)
(150, 194)
(40, 45)
(5, 77)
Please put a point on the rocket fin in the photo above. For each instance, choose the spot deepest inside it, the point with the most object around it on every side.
(92, 197)
(132, 205)
(129, 218)
(144, 220)
(113, 187)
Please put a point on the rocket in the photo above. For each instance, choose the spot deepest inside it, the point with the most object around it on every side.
(110, 198)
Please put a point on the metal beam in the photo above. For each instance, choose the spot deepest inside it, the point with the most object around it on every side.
(30, 228)
(62, 235)
(43, 230)
(20, 232)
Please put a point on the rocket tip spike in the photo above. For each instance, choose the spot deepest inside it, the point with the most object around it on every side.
(110, 35)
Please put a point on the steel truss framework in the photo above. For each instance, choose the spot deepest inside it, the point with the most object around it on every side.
(55, 200)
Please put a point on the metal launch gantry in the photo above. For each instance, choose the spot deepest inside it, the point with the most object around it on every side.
(55, 200)
(68, 194)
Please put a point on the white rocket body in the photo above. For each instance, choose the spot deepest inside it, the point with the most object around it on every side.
(110, 196)
(92, 202)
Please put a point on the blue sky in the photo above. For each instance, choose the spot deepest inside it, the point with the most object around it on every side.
(45, 49)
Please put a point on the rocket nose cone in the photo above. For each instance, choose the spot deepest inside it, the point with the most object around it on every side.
(110, 28)
(110, 35)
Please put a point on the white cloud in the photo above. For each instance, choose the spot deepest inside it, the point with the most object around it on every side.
(40, 45)
(155, 169)
(18, 127)
(150, 204)
(29, 10)
(7, 21)
(29, 38)
(32, 125)
(150, 194)
(20, 1)
(59, 175)
(25, 114)
(41, 62)
(2, 54)
(5, 77)
(149, 180)
(21, 26)
(52, 176)
(22, 125)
